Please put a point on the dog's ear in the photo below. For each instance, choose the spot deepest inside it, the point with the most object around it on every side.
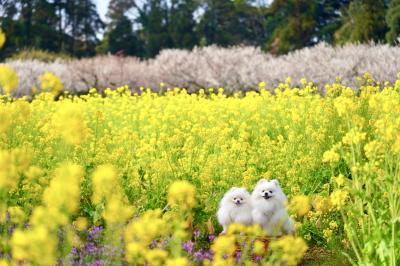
(262, 180)
(276, 182)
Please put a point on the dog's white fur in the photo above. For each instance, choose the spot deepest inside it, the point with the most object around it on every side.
(235, 207)
(268, 208)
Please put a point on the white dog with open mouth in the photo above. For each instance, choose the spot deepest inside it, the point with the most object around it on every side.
(268, 208)
(235, 207)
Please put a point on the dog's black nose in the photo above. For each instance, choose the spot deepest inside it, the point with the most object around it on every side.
(266, 195)
(237, 201)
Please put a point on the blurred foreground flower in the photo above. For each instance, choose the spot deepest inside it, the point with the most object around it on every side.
(8, 78)
(70, 124)
(300, 205)
(2, 38)
(51, 83)
(182, 194)
(291, 248)
(104, 182)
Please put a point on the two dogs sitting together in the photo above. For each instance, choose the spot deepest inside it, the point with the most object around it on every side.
(264, 206)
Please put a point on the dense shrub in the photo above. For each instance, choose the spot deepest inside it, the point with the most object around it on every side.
(40, 55)
(236, 68)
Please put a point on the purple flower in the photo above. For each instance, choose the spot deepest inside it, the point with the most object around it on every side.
(258, 258)
(211, 237)
(196, 233)
(94, 251)
(188, 246)
(96, 263)
(209, 255)
(153, 244)
(95, 232)
(201, 255)
(238, 256)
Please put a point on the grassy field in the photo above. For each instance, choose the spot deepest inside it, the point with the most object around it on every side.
(122, 179)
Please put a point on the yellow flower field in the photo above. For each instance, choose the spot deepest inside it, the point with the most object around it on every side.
(149, 170)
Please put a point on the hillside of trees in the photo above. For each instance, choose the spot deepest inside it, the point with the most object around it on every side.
(143, 28)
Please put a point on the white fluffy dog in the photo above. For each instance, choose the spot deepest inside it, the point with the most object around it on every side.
(268, 204)
(235, 207)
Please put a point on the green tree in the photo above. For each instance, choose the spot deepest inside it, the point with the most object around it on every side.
(216, 24)
(181, 23)
(122, 39)
(8, 11)
(293, 25)
(83, 24)
(393, 21)
(363, 22)
(29, 24)
(59, 25)
(249, 25)
(120, 36)
(329, 15)
(45, 35)
(154, 21)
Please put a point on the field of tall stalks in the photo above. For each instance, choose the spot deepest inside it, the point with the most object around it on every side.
(121, 178)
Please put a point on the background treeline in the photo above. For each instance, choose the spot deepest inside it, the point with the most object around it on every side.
(143, 28)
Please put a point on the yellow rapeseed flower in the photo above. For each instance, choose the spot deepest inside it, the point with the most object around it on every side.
(104, 182)
(133, 251)
(35, 244)
(262, 85)
(344, 105)
(2, 38)
(17, 215)
(177, 262)
(8, 79)
(339, 198)
(322, 204)
(300, 205)
(156, 256)
(222, 246)
(290, 248)
(70, 123)
(61, 196)
(354, 137)
(373, 149)
(116, 211)
(328, 234)
(81, 223)
(330, 156)
(333, 225)
(339, 180)
(259, 247)
(236, 228)
(49, 82)
(146, 228)
(8, 170)
(5, 120)
(182, 194)
(3, 213)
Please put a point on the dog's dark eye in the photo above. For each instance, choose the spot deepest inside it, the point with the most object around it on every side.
(241, 198)
(234, 198)
(270, 191)
(263, 191)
